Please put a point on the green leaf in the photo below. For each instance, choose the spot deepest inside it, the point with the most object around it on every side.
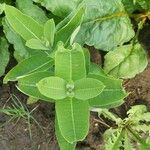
(142, 127)
(145, 117)
(70, 63)
(87, 88)
(64, 145)
(27, 85)
(139, 113)
(21, 51)
(64, 34)
(112, 95)
(137, 110)
(33, 64)
(24, 25)
(27, 7)
(106, 25)
(60, 8)
(73, 119)
(126, 61)
(49, 31)
(36, 44)
(53, 87)
(113, 140)
(4, 55)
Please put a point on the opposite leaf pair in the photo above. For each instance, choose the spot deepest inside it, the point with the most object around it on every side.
(57, 88)
(70, 88)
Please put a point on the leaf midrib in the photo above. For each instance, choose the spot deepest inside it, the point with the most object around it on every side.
(87, 89)
(51, 88)
(107, 17)
(70, 65)
(73, 121)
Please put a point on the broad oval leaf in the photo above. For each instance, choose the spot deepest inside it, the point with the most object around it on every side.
(53, 87)
(70, 63)
(73, 119)
(49, 31)
(106, 25)
(88, 88)
(27, 85)
(32, 64)
(4, 55)
(126, 61)
(24, 25)
(112, 95)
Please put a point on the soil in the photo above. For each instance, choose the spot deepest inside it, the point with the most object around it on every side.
(14, 135)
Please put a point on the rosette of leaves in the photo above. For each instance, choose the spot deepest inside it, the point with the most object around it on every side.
(75, 88)
(113, 93)
(71, 90)
(75, 85)
(128, 132)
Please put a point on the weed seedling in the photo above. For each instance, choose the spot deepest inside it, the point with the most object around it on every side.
(19, 111)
